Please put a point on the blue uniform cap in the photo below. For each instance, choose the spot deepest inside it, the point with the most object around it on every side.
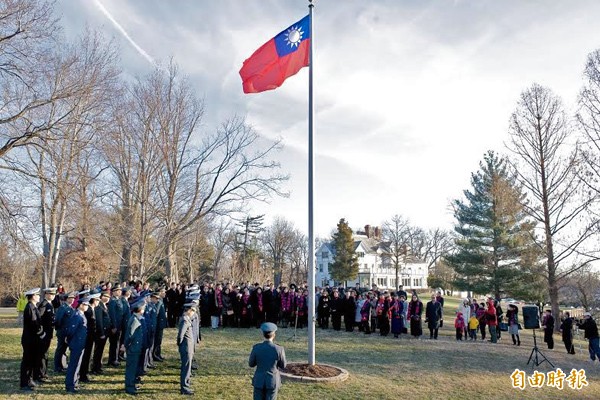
(138, 304)
(268, 327)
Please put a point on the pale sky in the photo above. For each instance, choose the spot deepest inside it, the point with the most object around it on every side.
(408, 94)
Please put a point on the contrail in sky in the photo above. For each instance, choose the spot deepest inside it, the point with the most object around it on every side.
(124, 33)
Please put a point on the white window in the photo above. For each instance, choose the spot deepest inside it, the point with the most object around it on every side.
(405, 281)
(360, 254)
(320, 267)
(325, 254)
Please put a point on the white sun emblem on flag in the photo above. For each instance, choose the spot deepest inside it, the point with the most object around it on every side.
(293, 36)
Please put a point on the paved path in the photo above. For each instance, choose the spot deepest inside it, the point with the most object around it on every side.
(8, 311)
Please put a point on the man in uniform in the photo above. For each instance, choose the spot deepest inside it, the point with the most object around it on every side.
(186, 343)
(133, 341)
(76, 337)
(31, 339)
(125, 295)
(115, 311)
(63, 314)
(47, 318)
(103, 327)
(268, 358)
(150, 317)
(161, 324)
(90, 317)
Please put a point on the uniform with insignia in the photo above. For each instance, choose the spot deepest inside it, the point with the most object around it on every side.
(103, 327)
(33, 334)
(161, 324)
(186, 343)
(150, 317)
(90, 317)
(47, 319)
(115, 310)
(63, 314)
(134, 345)
(124, 321)
(76, 336)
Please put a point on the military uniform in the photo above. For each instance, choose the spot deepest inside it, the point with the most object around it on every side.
(133, 341)
(268, 358)
(76, 337)
(124, 322)
(186, 343)
(90, 317)
(161, 324)
(33, 334)
(47, 319)
(63, 314)
(103, 327)
(115, 311)
(150, 318)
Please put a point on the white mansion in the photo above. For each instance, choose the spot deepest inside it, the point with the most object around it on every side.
(374, 264)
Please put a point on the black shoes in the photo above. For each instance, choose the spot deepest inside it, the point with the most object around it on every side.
(187, 392)
(27, 388)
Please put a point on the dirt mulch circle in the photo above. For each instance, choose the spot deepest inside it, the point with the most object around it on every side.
(312, 371)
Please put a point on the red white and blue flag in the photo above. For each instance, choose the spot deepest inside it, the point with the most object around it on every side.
(278, 59)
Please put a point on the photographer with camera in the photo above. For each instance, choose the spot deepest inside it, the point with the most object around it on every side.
(591, 334)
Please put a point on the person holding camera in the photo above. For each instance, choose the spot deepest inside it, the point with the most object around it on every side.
(591, 334)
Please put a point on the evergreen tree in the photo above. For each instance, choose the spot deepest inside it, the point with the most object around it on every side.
(345, 261)
(495, 250)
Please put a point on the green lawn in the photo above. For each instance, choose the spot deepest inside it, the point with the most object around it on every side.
(380, 368)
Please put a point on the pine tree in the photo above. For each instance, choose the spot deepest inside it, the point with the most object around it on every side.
(345, 261)
(495, 246)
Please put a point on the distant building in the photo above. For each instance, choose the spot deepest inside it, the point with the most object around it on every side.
(375, 265)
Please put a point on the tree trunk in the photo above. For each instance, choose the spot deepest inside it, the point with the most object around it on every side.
(125, 263)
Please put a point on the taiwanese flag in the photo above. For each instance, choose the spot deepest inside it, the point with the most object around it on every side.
(278, 59)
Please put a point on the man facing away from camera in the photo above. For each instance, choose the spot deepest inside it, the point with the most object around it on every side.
(268, 358)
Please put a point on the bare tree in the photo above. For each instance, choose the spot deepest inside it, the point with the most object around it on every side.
(547, 160)
(582, 288)
(396, 234)
(50, 167)
(216, 177)
(437, 244)
(279, 239)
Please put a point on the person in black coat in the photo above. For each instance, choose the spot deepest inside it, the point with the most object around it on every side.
(336, 309)
(590, 329)
(349, 311)
(566, 328)
(323, 310)
(47, 316)
(548, 325)
(433, 315)
(103, 327)
(171, 305)
(31, 339)
(90, 317)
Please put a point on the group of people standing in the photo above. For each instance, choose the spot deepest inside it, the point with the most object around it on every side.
(84, 321)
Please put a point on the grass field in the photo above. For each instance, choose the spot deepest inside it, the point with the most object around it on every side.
(379, 367)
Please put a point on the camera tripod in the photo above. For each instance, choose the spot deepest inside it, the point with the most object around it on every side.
(293, 338)
(539, 356)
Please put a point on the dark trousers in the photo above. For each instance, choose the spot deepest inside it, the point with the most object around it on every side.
(265, 394)
(171, 318)
(185, 374)
(324, 321)
(459, 333)
(113, 347)
(131, 371)
(482, 330)
(98, 352)
(72, 378)
(336, 321)
(158, 338)
(384, 325)
(85, 360)
(349, 322)
(60, 355)
(433, 333)
(28, 363)
(41, 370)
(569, 345)
(549, 338)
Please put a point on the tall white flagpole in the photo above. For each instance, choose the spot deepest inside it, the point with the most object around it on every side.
(311, 238)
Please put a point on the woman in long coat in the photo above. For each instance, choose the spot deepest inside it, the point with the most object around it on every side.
(415, 310)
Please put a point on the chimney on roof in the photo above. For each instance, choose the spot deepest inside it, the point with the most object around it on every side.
(377, 234)
(368, 230)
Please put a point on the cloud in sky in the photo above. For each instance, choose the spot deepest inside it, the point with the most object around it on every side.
(409, 95)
